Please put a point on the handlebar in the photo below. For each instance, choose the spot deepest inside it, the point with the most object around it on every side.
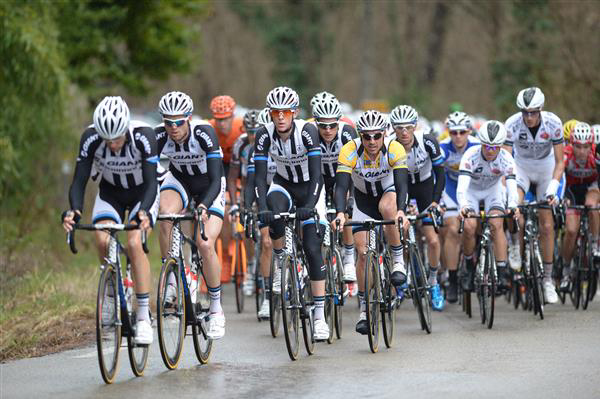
(108, 227)
(484, 216)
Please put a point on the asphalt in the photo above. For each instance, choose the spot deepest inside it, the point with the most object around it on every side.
(521, 357)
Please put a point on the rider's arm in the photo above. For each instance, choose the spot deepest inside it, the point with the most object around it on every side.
(234, 168)
(249, 187)
(83, 167)
(437, 159)
(559, 160)
(310, 138)
(397, 160)
(461, 189)
(342, 184)
(206, 136)
(146, 144)
(262, 144)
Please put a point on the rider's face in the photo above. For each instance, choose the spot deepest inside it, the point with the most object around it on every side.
(282, 118)
(115, 145)
(177, 126)
(328, 128)
(405, 133)
(582, 151)
(459, 137)
(531, 117)
(372, 141)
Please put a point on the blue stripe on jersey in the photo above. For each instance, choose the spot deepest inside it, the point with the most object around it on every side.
(450, 189)
(250, 169)
(437, 162)
(153, 159)
(260, 158)
(314, 153)
(213, 155)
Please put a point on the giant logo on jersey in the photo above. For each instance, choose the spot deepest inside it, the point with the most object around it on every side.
(86, 144)
(207, 139)
(144, 140)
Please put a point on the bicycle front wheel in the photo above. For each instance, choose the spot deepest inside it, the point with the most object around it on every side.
(238, 278)
(290, 306)
(388, 310)
(330, 293)
(202, 344)
(423, 294)
(339, 299)
(274, 303)
(490, 287)
(586, 274)
(108, 324)
(170, 306)
(538, 289)
(372, 296)
(306, 315)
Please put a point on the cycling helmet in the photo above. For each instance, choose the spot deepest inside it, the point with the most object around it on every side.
(283, 98)
(530, 98)
(264, 117)
(596, 133)
(320, 97)
(492, 133)
(371, 120)
(222, 106)
(251, 119)
(111, 118)
(568, 128)
(327, 107)
(176, 103)
(404, 114)
(582, 134)
(458, 121)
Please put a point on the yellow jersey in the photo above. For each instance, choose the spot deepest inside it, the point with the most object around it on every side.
(371, 177)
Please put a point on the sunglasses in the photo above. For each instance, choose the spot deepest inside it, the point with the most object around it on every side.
(252, 130)
(325, 125)
(370, 137)
(277, 113)
(530, 113)
(491, 147)
(174, 122)
(404, 127)
(459, 133)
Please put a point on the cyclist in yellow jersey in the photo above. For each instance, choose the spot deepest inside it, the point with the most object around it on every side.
(377, 167)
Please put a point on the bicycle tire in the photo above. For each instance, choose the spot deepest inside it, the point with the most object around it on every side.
(330, 293)
(290, 306)
(538, 290)
(171, 318)
(238, 277)
(480, 282)
(586, 274)
(388, 311)
(372, 297)
(424, 297)
(491, 283)
(306, 317)
(108, 332)
(339, 293)
(199, 319)
(274, 304)
(138, 354)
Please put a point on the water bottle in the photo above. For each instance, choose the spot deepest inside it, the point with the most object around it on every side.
(192, 281)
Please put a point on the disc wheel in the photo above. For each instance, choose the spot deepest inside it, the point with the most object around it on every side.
(108, 324)
(372, 296)
(170, 305)
(290, 307)
(199, 320)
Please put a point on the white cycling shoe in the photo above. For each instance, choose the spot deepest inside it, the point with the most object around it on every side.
(143, 333)
(321, 330)
(349, 273)
(549, 291)
(276, 288)
(264, 312)
(216, 326)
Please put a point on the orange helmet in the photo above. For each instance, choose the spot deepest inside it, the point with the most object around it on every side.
(222, 106)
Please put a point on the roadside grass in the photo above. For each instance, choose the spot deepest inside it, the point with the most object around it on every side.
(48, 295)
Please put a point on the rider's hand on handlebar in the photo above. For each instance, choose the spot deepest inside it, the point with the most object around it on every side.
(304, 213)
(341, 219)
(203, 212)
(400, 215)
(514, 212)
(552, 200)
(142, 216)
(464, 212)
(69, 219)
(265, 217)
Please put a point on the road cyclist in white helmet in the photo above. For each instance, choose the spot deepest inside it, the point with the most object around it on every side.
(195, 171)
(536, 139)
(294, 146)
(123, 154)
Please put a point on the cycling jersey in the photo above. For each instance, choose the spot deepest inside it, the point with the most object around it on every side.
(132, 168)
(249, 193)
(195, 167)
(580, 172)
(529, 146)
(422, 156)
(451, 158)
(241, 153)
(482, 180)
(227, 139)
(371, 177)
(330, 151)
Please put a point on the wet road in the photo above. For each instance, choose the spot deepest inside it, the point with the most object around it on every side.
(521, 356)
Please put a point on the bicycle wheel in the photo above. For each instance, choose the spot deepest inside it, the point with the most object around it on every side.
(274, 304)
(199, 321)
(490, 290)
(306, 315)
(538, 289)
(108, 324)
(259, 292)
(170, 306)
(423, 294)
(480, 289)
(372, 295)
(290, 306)
(138, 354)
(388, 311)
(238, 278)
(336, 262)
(586, 272)
(330, 292)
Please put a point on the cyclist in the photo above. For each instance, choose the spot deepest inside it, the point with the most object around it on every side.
(294, 146)
(227, 127)
(582, 189)
(239, 168)
(481, 171)
(195, 171)
(376, 166)
(266, 250)
(426, 180)
(537, 139)
(459, 127)
(333, 135)
(567, 128)
(123, 153)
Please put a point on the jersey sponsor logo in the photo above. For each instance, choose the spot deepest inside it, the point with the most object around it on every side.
(86, 144)
(496, 171)
(374, 174)
(523, 136)
(144, 140)
(432, 147)
(206, 138)
(479, 169)
(545, 136)
(309, 139)
(260, 145)
(185, 156)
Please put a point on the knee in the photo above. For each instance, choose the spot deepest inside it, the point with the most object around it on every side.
(267, 244)
(547, 227)
(205, 246)
(134, 242)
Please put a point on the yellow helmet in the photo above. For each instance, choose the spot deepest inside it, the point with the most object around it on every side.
(568, 127)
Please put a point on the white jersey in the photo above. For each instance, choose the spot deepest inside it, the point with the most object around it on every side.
(331, 151)
(528, 147)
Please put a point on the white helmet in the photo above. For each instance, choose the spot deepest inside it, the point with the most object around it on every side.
(371, 120)
(458, 121)
(492, 133)
(176, 103)
(283, 98)
(530, 98)
(596, 133)
(582, 134)
(111, 118)
(320, 97)
(264, 117)
(404, 114)
(327, 107)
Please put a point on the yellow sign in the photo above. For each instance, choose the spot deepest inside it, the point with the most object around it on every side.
(378, 105)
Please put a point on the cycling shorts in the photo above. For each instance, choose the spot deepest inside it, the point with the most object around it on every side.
(422, 193)
(538, 172)
(448, 202)
(112, 203)
(494, 198)
(367, 207)
(187, 191)
(297, 194)
(576, 194)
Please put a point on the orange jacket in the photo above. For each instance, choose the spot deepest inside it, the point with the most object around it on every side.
(226, 141)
